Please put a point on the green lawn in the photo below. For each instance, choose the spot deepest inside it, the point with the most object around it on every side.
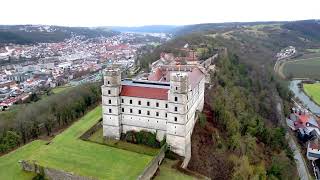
(68, 152)
(9, 166)
(313, 90)
(314, 50)
(168, 172)
(98, 137)
(309, 68)
(59, 89)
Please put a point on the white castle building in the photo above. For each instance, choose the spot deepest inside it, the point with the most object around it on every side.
(164, 103)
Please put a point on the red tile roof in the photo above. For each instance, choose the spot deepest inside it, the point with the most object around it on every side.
(144, 92)
(195, 77)
(156, 76)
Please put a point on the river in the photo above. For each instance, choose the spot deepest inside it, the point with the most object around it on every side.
(303, 97)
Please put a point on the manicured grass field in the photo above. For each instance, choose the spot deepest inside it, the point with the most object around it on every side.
(98, 137)
(69, 153)
(313, 90)
(168, 172)
(308, 68)
(9, 166)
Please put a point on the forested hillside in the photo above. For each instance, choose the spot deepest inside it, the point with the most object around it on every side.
(26, 34)
(45, 116)
(240, 136)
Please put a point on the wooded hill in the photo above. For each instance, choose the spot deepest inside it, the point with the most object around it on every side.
(242, 136)
(26, 34)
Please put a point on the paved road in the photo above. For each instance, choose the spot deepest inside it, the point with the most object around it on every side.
(301, 164)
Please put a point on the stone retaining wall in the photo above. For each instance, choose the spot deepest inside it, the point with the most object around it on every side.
(92, 130)
(50, 173)
(153, 166)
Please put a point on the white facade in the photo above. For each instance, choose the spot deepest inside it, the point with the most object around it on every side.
(172, 117)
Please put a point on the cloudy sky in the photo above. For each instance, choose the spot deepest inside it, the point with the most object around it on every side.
(153, 12)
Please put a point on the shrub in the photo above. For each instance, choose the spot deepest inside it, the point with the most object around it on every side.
(142, 137)
(202, 119)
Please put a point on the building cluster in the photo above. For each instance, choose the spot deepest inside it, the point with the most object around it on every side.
(165, 101)
(306, 126)
(286, 53)
(26, 68)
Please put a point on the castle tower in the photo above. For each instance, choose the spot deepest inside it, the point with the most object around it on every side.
(178, 135)
(111, 103)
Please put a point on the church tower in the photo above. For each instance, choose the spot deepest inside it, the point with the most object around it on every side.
(111, 89)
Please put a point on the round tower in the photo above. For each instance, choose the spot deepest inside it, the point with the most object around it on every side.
(111, 89)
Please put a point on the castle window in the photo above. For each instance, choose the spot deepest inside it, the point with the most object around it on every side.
(157, 113)
(108, 82)
(166, 105)
(122, 100)
(175, 108)
(139, 111)
(175, 99)
(139, 102)
(130, 101)
(148, 103)
(148, 112)
(166, 115)
(110, 110)
(109, 91)
(157, 104)
(109, 101)
(175, 119)
(130, 110)
(177, 88)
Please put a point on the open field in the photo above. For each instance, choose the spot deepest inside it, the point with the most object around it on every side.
(69, 153)
(9, 166)
(313, 91)
(98, 137)
(168, 172)
(313, 50)
(303, 68)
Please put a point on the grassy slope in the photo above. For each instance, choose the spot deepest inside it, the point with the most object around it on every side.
(71, 154)
(303, 68)
(9, 166)
(313, 90)
(167, 172)
(97, 137)
(59, 89)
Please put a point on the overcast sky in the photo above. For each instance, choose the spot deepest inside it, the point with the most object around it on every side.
(153, 12)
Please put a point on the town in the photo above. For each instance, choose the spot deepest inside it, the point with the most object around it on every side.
(26, 69)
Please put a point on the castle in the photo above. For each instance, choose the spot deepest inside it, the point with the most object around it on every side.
(165, 103)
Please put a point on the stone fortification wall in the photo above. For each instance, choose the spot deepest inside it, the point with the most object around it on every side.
(153, 166)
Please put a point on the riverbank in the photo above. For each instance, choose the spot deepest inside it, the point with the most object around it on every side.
(304, 98)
